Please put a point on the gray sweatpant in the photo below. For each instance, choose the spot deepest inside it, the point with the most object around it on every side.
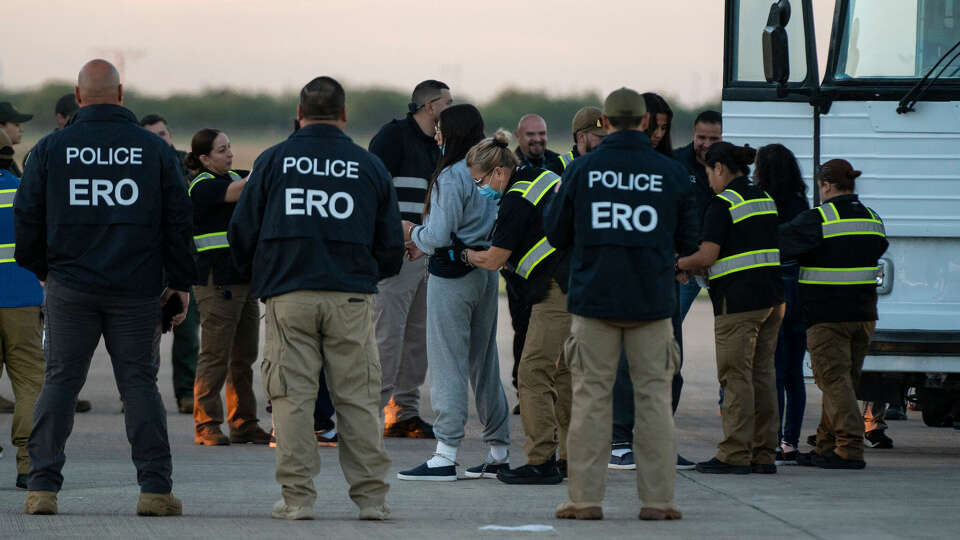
(400, 316)
(462, 346)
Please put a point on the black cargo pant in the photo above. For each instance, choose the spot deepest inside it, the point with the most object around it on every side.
(74, 323)
(520, 311)
(623, 412)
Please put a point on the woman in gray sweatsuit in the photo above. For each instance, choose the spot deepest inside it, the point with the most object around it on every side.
(461, 306)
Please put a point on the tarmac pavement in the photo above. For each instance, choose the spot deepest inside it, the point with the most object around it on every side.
(227, 492)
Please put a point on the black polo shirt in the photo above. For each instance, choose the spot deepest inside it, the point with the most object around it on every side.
(211, 215)
(548, 161)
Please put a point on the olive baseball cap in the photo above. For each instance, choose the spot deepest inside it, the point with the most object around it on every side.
(9, 114)
(588, 119)
(624, 103)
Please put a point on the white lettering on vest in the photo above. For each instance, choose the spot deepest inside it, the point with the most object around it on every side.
(105, 156)
(334, 168)
(625, 181)
(307, 202)
(87, 192)
(614, 215)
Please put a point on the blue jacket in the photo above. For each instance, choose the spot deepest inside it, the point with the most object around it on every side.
(625, 209)
(18, 287)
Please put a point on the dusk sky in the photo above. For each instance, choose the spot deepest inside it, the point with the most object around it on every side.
(478, 47)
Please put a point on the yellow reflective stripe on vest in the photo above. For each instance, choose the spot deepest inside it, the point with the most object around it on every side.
(741, 209)
(234, 176)
(534, 190)
(566, 159)
(6, 197)
(6, 253)
(839, 276)
(197, 179)
(540, 251)
(833, 226)
(745, 261)
(205, 242)
(847, 227)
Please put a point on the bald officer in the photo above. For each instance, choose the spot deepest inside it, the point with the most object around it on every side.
(102, 217)
(319, 225)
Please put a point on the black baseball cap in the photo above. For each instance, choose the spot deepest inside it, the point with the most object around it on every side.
(9, 114)
(66, 105)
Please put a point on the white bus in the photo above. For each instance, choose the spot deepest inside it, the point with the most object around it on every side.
(889, 102)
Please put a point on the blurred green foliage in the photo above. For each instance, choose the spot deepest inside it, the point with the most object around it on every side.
(270, 115)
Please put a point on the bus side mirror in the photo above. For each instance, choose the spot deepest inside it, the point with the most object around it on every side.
(776, 55)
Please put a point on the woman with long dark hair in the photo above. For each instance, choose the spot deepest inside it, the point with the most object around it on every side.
(740, 254)
(461, 304)
(229, 316)
(661, 120)
(778, 174)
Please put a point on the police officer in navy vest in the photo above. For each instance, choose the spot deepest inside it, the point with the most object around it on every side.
(837, 245)
(319, 226)
(739, 253)
(102, 217)
(625, 210)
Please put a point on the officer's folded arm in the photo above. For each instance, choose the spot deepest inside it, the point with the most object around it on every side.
(701, 260)
(490, 259)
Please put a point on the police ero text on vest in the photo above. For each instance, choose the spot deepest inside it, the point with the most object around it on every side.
(617, 215)
(318, 202)
(103, 191)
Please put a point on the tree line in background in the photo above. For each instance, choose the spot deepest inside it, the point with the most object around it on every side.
(262, 114)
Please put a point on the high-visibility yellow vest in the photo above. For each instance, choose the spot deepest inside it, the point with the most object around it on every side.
(741, 210)
(835, 227)
(214, 240)
(533, 192)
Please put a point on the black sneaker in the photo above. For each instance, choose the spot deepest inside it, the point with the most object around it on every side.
(684, 464)
(82, 406)
(895, 412)
(429, 474)
(833, 461)
(544, 473)
(22, 481)
(763, 468)
(715, 466)
(622, 463)
(786, 458)
(812, 440)
(516, 409)
(412, 428)
(562, 466)
(486, 470)
(877, 439)
(806, 459)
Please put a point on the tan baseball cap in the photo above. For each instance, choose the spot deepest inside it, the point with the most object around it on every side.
(588, 119)
(624, 103)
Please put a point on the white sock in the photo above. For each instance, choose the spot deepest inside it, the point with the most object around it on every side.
(500, 454)
(620, 452)
(446, 455)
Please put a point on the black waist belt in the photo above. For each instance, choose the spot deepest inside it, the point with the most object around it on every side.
(446, 263)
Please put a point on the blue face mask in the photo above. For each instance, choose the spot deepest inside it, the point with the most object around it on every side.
(489, 193)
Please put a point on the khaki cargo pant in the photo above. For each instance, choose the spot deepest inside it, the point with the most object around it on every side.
(21, 352)
(594, 352)
(229, 345)
(310, 331)
(837, 350)
(544, 382)
(746, 344)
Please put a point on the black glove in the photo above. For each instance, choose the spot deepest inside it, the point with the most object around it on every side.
(457, 251)
(172, 308)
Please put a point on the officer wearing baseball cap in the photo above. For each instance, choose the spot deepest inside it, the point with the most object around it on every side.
(10, 120)
(587, 132)
(625, 210)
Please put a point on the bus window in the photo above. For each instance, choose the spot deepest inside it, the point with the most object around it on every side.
(751, 17)
(898, 38)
